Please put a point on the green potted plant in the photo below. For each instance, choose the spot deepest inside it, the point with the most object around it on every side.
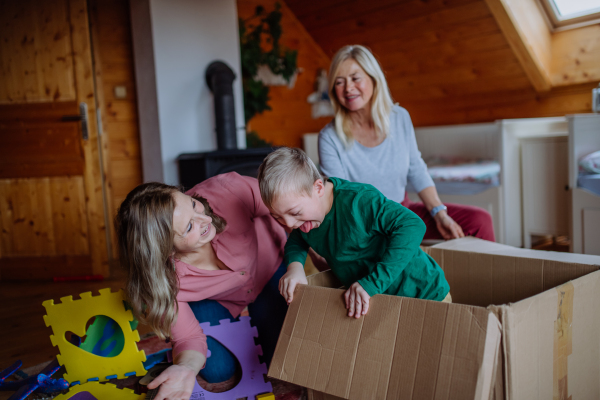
(260, 48)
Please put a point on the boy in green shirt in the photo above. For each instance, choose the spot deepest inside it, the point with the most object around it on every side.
(370, 243)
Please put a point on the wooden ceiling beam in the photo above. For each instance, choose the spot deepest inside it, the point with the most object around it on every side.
(524, 28)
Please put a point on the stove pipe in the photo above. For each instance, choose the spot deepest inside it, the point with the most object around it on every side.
(219, 78)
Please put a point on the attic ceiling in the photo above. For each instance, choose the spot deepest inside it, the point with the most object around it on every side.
(446, 61)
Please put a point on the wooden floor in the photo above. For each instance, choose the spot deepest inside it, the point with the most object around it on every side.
(23, 333)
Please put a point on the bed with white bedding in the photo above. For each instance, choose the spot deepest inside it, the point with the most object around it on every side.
(589, 172)
(464, 162)
(584, 182)
(462, 176)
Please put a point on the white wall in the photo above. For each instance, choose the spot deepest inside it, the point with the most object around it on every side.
(188, 35)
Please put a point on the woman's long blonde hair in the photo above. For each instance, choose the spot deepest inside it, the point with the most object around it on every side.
(381, 102)
(145, 234)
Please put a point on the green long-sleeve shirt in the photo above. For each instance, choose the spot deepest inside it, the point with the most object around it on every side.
(367, 238)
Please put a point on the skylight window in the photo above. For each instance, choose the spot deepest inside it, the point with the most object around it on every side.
(572, 13)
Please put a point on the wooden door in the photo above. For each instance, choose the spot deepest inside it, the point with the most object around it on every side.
(52, 219)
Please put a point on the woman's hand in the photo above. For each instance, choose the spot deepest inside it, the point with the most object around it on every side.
(176, 382)
(447, 227)
(357, 300)
(295, 275)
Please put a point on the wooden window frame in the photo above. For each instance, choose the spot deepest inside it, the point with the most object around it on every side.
(558, 23)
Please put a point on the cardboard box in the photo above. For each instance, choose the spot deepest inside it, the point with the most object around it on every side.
(541, 339)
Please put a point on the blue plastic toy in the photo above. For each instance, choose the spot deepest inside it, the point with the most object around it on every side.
(42, 382)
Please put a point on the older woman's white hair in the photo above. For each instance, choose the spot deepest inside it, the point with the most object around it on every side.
(381, 102)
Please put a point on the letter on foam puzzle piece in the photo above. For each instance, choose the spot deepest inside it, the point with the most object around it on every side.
(97, 391)
(73, 315)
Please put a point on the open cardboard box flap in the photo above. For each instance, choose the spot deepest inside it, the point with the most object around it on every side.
(547, 304)
(402, 348)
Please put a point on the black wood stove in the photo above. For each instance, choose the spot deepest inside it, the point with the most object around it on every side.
(196, 167)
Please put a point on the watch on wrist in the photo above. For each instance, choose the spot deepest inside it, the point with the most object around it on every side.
(437, 209)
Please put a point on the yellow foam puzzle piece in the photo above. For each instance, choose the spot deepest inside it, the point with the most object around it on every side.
(73, 315)
(265, 396)
(101, 392)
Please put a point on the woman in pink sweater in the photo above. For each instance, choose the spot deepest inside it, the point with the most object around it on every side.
(201, 256)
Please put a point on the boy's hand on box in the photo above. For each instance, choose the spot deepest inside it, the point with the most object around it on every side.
(357, 300)
(294, 276)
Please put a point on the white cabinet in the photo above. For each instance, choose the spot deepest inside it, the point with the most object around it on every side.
(591, 230)
(545, 177)
(540, 134)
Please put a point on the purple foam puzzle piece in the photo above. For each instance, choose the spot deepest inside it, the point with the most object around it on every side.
(83, 396)
(238, 337)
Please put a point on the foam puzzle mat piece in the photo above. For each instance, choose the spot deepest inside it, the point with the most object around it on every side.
(98, 391)
(238, 337)
(73, 315)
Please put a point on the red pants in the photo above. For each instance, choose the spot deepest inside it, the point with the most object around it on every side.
(474, 221)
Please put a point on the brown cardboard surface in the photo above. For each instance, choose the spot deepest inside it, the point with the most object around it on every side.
(403, 348)
(530, 337)
(475, 245)
(325, 279)
(532, 281)
(482, 279)
(415, 349)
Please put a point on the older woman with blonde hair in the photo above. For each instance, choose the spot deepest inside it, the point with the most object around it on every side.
(371, 140)
(201, 256)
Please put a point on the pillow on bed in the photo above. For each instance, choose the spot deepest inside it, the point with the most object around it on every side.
(590, 163)
(462, 170)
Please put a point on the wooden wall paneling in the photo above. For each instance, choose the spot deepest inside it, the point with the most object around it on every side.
(444, 40)
(68, 206)
(35, 65)
(564, 57)
(102, 110)
(401, 21)
(576, 56)
(22, 221)
(19, 226)
(35, 142)
(461, 75)
(83, 70)
(56, 148)
(406, 65)
(518, 27)
(123, 145)
(354, 15)
(449, 62)
(513, 104)
(291, 116)
(447, 50)
(6, 217)
(465, 94)
(42, 237)
(38, 217)
(34, 268)
(114, 54)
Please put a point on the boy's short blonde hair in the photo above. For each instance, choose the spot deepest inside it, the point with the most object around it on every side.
(286, 170)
